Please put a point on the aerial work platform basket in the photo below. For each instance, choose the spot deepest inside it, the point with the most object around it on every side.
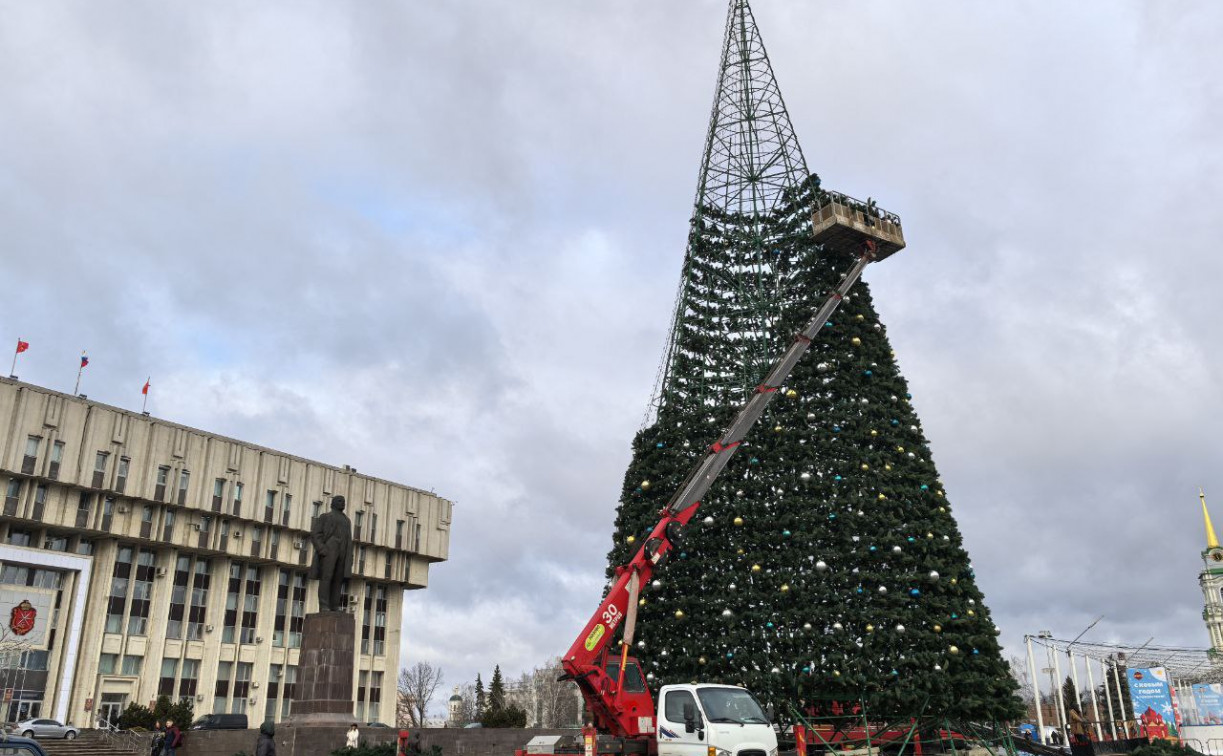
(843, 224)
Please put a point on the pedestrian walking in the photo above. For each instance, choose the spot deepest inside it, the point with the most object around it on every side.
(267, 740)
(174, 739)
(354, 736)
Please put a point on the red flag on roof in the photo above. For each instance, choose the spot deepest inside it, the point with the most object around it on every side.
(145, 390)
(22, 346)
(84, 360)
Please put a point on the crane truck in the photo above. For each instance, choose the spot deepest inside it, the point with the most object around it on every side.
(704, 719)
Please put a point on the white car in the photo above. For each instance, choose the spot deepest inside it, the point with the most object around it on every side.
(45, 728)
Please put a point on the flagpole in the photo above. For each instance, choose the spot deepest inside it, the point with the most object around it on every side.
(16, 351)
(76, 390)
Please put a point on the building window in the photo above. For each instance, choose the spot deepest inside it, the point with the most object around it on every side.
(146, 521)
(361, 551)
(99, 469)
(358, 520)
(167, 528)
(242, 687)
(184, 480)
(189, 678)
(375, 693)
(218, 494)
(285, 509)
(178, 598)
(57, 456)
(250, 606)
(297, 611)
(380, 621)
(107, 664)
(275, 671)
(18, 537)
(55, 543)
(273, 543)
(362, 684)
(30, 460)
(120, 578)
(316, 509)
(11, 496)
(121, 474)
(85, 548)
(256, 540)
(237, 505)
(282, 609)
(417, 546)
(399, 534)
(132, 665)
(269, 507)
(220, 696)
(373, 527)
(142, 594)
(232, 596)
(290, 691)
(169, 671)
(163, 479)
(199, 601)
(12, 574)
(367, 618)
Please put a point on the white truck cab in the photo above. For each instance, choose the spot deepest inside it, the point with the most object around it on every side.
(712, 720)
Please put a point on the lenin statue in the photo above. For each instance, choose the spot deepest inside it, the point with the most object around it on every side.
(332, 539)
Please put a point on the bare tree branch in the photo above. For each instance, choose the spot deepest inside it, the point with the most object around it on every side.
(415, 690)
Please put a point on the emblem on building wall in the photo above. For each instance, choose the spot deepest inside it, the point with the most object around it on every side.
(21, 620)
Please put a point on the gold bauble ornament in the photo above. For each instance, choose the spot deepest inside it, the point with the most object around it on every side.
(738, 520)
(887, 467)
(785, 588)
(836, 673)
(938, 494)
(856, 341)
(860, 318)
(870, 628)
(929, 535)
(755, 569)
(631, 540)
(938, 628)
(777, 429)
(882, 497)
(943, 509)
(954, 581)
(874, 432)
(953, 650)
(645, 484)
(791, 394)
(865, 466)
(740, 552)
(700, 660)
(641, 602)
(679, 614)
(971, 613)
(900, 448)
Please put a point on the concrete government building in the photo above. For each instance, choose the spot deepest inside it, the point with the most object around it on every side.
(141, 558)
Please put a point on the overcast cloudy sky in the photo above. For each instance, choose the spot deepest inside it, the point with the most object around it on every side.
(440, 241)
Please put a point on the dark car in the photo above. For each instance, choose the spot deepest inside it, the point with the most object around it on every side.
(378, 724)
(15, 746)
(220, 722)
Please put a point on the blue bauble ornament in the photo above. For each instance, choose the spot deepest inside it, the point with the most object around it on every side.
(908, 396)
(975, 652)
(915, 592)
(755, 460)
(683, 555)
(659, 445)
(768, 624)
(836, 477)
(954, 615)
(872, 549)
(729, 655)
(912, 539)
(859, 590)
(895, 421)
(868, 373)
(785, 534)
(832, 516)
(828, 324)
(836, 429)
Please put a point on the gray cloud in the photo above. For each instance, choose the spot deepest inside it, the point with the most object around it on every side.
(440, 242)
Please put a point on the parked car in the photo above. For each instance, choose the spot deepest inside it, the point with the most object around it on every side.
(220, 722)
(378, 724)
(21, 746)
(45, 728)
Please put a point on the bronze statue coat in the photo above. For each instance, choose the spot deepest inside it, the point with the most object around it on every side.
(332, 539)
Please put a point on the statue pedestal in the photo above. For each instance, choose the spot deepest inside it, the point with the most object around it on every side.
(325, 671)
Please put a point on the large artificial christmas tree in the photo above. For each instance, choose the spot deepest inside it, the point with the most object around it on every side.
(825, 564)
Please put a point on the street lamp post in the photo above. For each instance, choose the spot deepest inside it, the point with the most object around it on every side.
(1074, 673)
